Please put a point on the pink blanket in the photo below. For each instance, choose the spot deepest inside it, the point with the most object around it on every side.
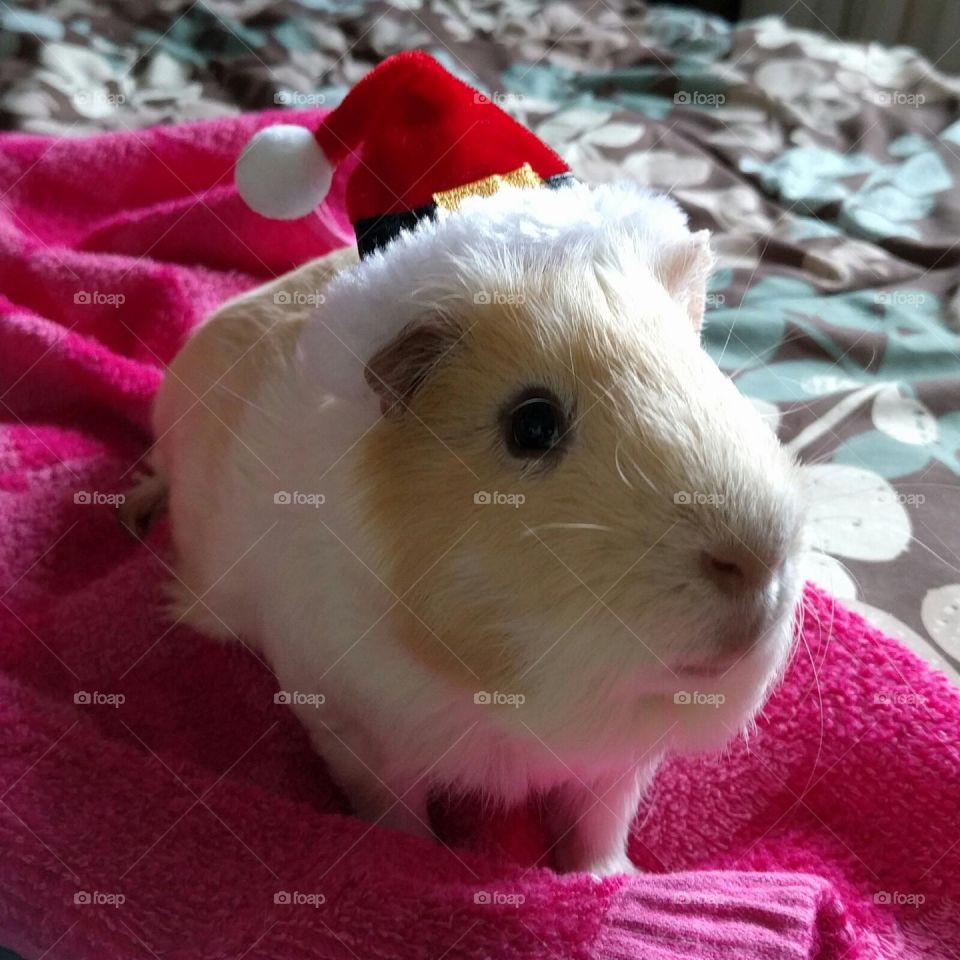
(156, 802)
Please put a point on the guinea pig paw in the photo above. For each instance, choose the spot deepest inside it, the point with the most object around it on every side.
(608, 865)
(143, 505)
(613, 866)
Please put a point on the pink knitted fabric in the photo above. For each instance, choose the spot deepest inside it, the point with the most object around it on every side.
(155, 801)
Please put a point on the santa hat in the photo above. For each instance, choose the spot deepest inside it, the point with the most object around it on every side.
(424, 140)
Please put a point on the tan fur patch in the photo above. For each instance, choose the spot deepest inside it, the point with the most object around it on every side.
(428, 514)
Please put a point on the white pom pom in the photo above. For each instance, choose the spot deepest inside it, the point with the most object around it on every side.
(282, 173)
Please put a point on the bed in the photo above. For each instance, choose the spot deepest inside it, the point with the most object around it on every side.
(824, 170)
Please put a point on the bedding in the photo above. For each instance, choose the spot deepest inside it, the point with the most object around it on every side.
(826, 171)
(157, 796)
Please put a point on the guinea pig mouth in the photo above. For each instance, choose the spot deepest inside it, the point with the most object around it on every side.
(731, 645)
(704, 669)
(713, 667)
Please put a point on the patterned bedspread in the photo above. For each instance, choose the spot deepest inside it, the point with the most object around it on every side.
(825, 169)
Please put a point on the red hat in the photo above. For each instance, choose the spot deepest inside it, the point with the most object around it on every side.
(423, 138)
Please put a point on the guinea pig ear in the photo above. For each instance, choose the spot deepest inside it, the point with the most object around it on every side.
(396, 371)
(683, 269)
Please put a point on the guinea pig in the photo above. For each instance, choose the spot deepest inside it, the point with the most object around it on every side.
(488, 510)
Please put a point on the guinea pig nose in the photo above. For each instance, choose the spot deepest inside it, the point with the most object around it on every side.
(736, 569)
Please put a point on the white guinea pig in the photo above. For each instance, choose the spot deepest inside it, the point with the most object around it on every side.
(485, 496)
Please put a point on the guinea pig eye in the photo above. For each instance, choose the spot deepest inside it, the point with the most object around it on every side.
(535, 424)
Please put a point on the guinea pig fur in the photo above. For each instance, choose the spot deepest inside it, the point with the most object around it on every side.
(489, 497)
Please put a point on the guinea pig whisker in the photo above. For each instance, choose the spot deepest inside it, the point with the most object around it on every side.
(568, 526)
(632, 463)
(616, 463)
(824, 632)
(819, 690)
(933, 553)
(845, 569)
(650, 483)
